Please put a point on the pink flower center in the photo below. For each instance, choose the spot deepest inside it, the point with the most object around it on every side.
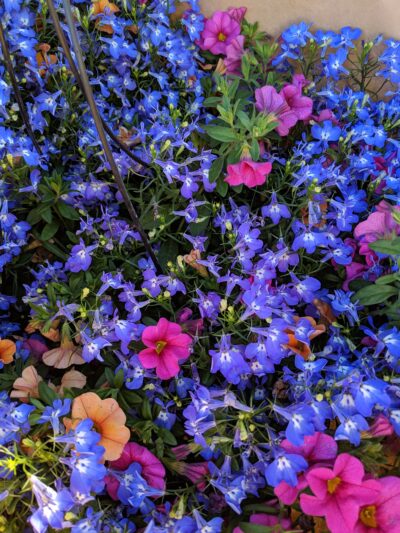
(160, 345)
(221, 37)
(333, 484)
(367, 516)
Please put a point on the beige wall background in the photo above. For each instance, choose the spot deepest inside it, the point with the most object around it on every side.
(372, 16)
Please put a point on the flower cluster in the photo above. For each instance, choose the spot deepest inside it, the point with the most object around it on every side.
(230, 360)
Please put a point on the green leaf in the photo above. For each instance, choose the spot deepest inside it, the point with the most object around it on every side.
(222, 188)
(244, 119)
(119, 379)
(375, 294)
(386, 246)
(34, 216)
(109, 376)
(255, 150)
(49, 230)
(216, 169)
(212, 101)
(167, 437)
(46, 214)
(55, 250)
(46, 394)
(66, 211)
(390, 278)
(221, 133)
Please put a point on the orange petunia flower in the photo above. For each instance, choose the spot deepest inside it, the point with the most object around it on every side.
(300, 347)
(27, 386)
(109, 421)
(7, 351)
(192, 258)
(43, 59)
(65, 355)
(72, 380)
(104, 7)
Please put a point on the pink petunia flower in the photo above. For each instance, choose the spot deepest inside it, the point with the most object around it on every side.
(381, 427)
(339, 493)
(317, 449)
(269, 101)
(234, 53)
(383, 516)
(301, 105)
(166, 346)
(219, 31)
(268, 520)
(379, 224)
(249, 173)
(237, 13)
(152, 468)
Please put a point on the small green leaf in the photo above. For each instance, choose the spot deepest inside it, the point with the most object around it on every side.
(386, 246)
(167, 437)
(49, 231)
(66, 211)
(216, 169)
(222, 188)
(375, 294)
(390, 278)
(46, 394)
(221, 133)
(46, 214)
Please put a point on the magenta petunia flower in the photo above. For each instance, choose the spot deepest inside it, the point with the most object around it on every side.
(237, 13)
(152, 468)
(269, 101)
(299, 104)
(339, 493)
(166, 346)
(234, 53)
(381, 427)
(268, 521)
(378, 225)
(318, 449)
(219, 31)
(249, 173)
(383, 516)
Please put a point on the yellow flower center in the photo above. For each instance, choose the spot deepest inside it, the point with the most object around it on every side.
(160, 345)
(367, 516)
(333, 484)
(221, 37)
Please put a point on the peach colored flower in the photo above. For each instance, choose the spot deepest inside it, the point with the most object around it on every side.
(7, 351)
(191, 259)
(27, 386)
(72, 380)
(108, 419)
(104, 7)
(65, 355)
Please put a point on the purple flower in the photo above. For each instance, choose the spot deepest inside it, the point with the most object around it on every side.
(275, 211)
(80, 258)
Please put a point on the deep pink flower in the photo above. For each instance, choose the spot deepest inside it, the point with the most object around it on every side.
(269, 101)
(317, 449)
(195, 472)
(234, 53)
(167, 345)
(237, 13)
(35, 346)
(219, 31)
(381, 427)
(383, 516)
(249, 173)
(301, 105)
(353, 271)
(268, 520)
(379, 224)
(340, 493)
(152, 468)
